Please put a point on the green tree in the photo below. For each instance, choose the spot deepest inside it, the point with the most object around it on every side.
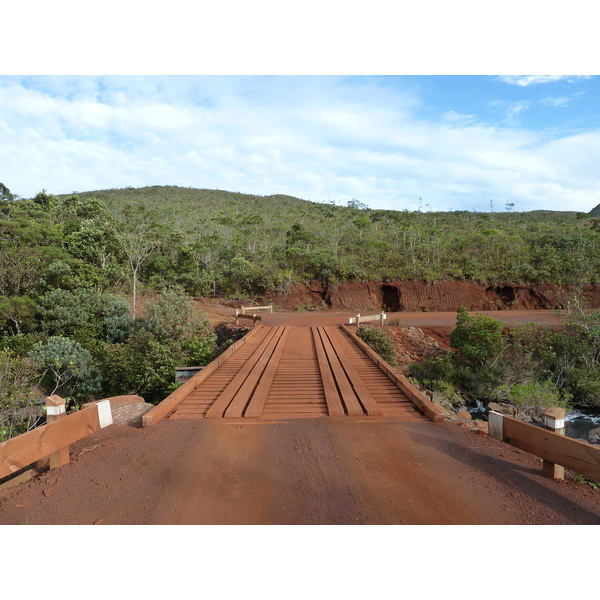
(137, 231)
(18, 410)
(478, 339)
(65, 367)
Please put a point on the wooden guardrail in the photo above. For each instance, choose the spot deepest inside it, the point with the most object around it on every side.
(366, 318)
(53, 439)
(239, 315)
(255, 308)
(553, 447)
(169, 404)
(432, 411)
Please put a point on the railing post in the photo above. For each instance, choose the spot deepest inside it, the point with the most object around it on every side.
(382, 317)
(554, 420)
(55, 410)
(358, 319)
(237, 317)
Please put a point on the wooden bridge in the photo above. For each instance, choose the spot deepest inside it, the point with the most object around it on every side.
(291, 372)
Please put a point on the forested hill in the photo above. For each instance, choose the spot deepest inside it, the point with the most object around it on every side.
(72, 267)
(213, 240)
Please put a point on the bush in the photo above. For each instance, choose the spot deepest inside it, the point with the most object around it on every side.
(18, 411)
(142, 365)
(379, 342)
(478, 339)
(65, 367)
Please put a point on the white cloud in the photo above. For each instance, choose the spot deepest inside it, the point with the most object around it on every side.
(527, 80)
(315, 138)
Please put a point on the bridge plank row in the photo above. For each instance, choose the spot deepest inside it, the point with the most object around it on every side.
(294, 372)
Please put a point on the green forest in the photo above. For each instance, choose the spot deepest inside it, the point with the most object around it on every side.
(96, 288)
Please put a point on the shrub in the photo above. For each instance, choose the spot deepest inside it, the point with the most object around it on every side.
(478, 339)
(18, 411)
(142, 365)
(379, 342)
(65, 367)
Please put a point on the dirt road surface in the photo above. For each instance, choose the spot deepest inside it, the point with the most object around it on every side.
(416, 319)
(302, 471)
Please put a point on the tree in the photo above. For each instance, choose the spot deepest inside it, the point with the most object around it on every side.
(138, 236)
(478, 338)
(5, 193)
(65, 367)
(18, 412)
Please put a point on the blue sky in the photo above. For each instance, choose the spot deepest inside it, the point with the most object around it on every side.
(442, 142)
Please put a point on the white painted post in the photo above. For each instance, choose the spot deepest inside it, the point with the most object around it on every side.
(358, 320)
(496, 425)
(554, 420)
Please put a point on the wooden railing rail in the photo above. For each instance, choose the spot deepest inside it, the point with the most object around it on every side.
(554, 448)
(432, 411)
(53, 438)
(366, 318)
(254, 308)
(239, 315)
(169, 404)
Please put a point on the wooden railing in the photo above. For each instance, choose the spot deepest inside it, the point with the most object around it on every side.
(239, 315)
(365, 318)
(432, 411)
(550, 445)
(53, 439)
(255, 308)
(169, 404)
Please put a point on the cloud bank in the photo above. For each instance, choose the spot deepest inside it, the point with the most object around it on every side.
(318, 138)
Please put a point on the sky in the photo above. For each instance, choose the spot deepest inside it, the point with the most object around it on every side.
(396, 110)
(449, 142)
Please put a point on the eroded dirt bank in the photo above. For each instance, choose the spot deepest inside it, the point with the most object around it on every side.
(395, 296)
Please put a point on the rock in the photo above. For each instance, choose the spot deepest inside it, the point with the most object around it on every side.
(504, 409)
(594, 435)
(463, 414)
(130, 415)
(117, 401)
(438, 398)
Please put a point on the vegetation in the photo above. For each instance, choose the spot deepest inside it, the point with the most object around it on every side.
(77, 272)
(531, 366)
(379, 342)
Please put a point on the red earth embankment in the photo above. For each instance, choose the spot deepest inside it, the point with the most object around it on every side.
(395, 296)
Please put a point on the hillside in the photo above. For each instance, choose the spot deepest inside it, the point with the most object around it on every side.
(245, 245)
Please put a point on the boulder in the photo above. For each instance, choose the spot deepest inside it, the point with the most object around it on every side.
(118, 401)
(465, 415)
(504, 409)
(594, 435)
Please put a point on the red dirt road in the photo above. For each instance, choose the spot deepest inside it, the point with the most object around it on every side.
(302, 471)
(417, 319)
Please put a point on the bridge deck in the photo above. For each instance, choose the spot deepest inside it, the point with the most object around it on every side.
(292, 372)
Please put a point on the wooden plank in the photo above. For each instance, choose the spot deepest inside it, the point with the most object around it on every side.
(578, 456)
(172, 400)
(335, 407)
(256, 388)
(19, 452)
(353, 407)
(364, 395)
(433, 411)
(217, 410)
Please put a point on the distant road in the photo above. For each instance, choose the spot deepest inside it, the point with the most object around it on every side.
(417, 319)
